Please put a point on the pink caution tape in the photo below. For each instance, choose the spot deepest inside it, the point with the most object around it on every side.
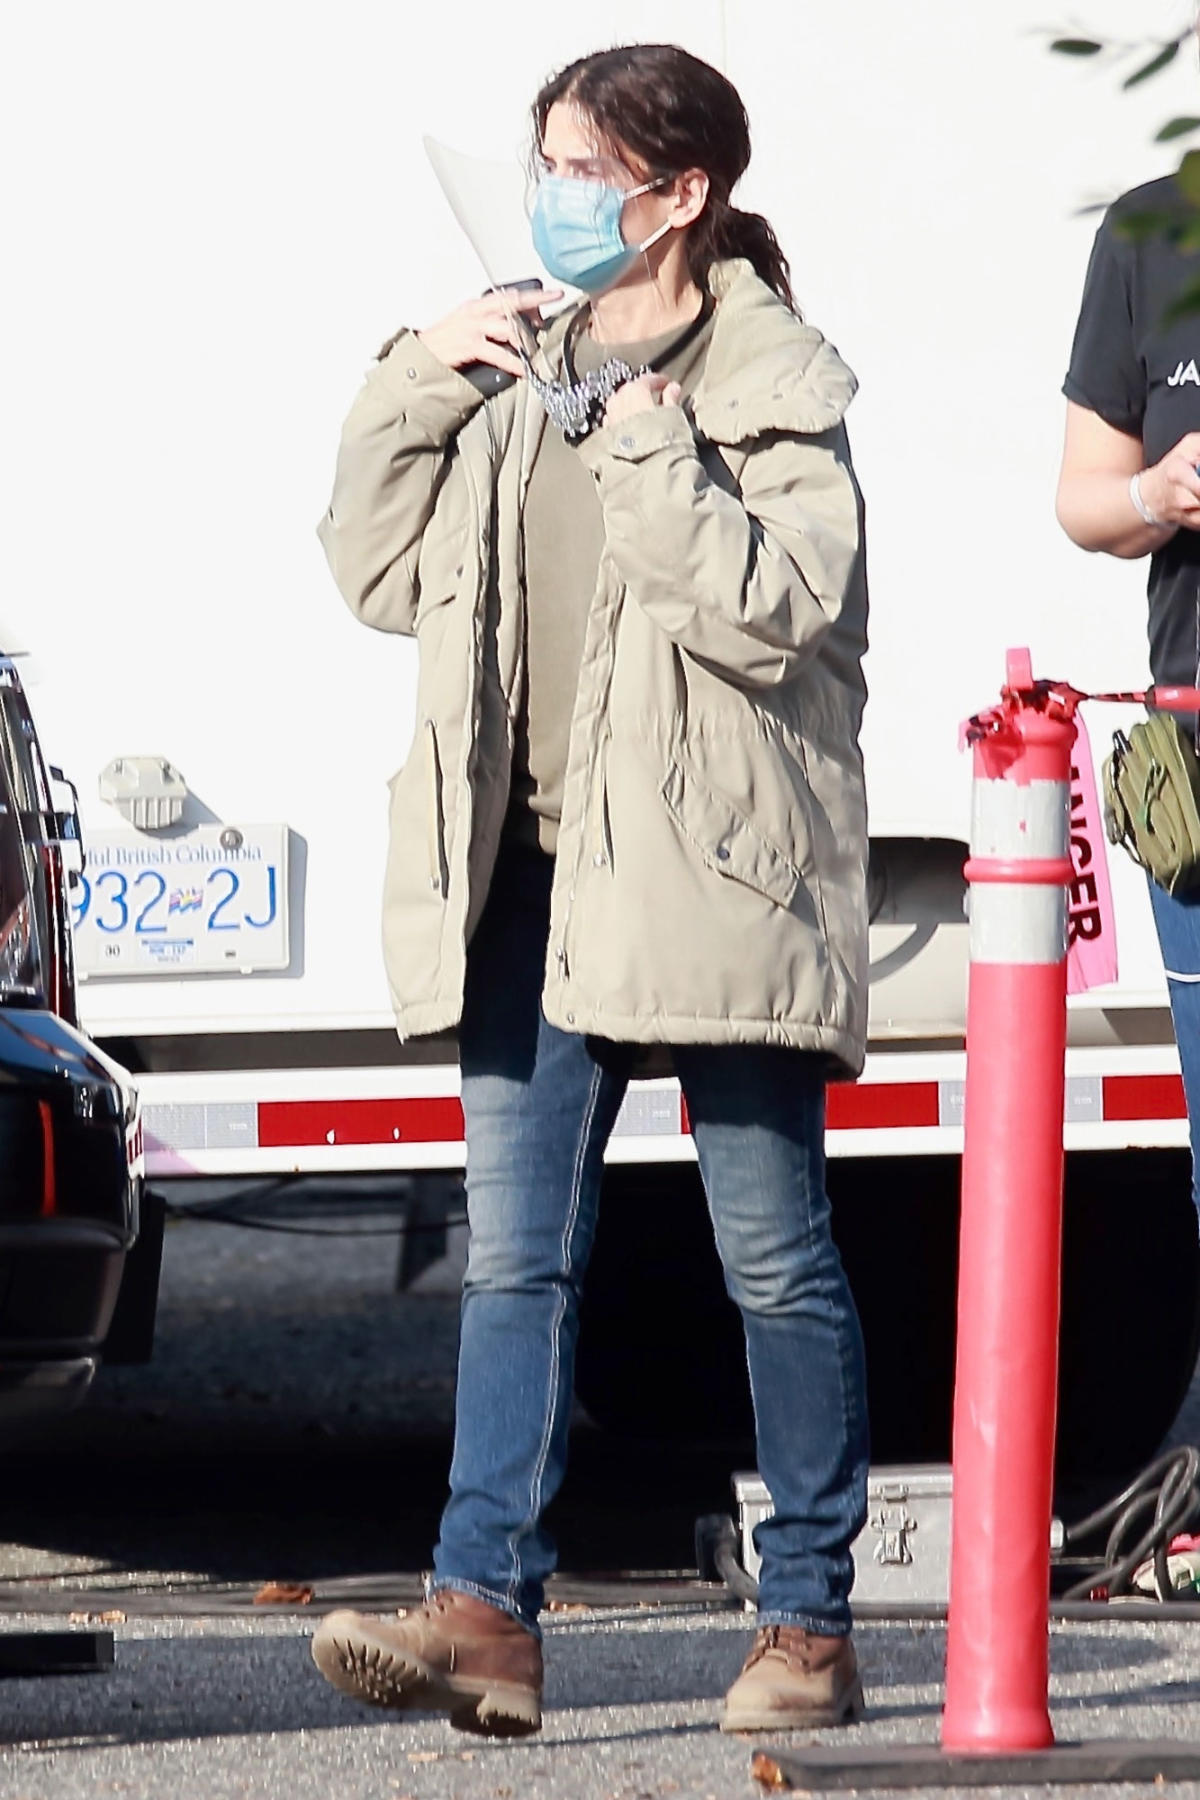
(1091, 922)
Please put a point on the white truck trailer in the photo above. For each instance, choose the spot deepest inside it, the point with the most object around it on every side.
(214, 218)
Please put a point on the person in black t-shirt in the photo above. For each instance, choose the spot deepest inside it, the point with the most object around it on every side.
(1130, 486)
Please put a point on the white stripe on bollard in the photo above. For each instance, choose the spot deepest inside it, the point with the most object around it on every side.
(1014, 821)
(1017, 923)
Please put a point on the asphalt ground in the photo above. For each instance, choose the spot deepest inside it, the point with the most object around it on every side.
(215, 1709)
(294, 1426)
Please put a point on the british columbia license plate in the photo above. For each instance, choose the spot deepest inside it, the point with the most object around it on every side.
(210, 901)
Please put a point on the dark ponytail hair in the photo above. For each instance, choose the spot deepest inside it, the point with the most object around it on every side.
(675, 112)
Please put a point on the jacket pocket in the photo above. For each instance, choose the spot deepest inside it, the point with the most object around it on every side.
(726, 838)
(603, 851)
(436, 816)
(441, 571)
(418, 807)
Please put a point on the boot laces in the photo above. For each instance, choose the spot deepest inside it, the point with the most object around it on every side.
(766, 1641)
(770, 1641)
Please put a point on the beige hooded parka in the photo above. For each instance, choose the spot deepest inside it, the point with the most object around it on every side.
(710, 879)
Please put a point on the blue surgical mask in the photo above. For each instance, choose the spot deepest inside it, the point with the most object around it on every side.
(577, 231)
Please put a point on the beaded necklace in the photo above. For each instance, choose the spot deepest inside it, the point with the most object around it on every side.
(576, 405)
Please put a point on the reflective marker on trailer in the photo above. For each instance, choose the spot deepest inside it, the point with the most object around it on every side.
(284, 1123)
(882, 1106)
(1143, 1097)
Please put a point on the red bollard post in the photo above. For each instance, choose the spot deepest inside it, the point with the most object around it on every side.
(1010, 1263)
(996, 1723)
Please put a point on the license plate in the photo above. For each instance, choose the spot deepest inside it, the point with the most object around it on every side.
(182, 905)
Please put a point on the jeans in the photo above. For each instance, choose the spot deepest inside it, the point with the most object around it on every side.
(539, 1105)
(1177, 920)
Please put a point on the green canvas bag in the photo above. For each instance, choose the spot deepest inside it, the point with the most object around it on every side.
(1151, 784)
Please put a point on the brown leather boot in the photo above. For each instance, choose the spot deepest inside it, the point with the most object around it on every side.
(454, 1655)
(794, 1680)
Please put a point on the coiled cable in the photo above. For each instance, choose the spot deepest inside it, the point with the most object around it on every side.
(1167, 1493)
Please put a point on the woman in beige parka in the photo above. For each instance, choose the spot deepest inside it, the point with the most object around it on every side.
(632, 814)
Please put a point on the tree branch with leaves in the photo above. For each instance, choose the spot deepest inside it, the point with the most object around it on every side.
(1180, 225)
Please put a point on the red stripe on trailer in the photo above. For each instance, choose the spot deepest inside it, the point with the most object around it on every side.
(1144, 1097)
(870, 1106)
(283, 1124)
(297, 1125)
(865, 1106)
(881, 1106)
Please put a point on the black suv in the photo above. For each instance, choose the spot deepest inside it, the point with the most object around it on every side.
(70, 1129)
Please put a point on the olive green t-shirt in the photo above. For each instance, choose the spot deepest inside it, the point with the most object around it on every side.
(564, 535)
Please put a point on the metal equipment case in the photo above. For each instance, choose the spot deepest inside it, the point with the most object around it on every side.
(902, 1553)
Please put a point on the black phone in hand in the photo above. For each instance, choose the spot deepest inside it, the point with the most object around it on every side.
(486, 376)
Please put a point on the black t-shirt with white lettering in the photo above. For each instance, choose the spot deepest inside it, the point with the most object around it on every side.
(1142, 376)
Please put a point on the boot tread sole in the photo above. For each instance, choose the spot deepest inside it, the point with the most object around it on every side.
(383, 1675)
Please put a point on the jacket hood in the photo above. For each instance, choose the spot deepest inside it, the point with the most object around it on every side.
(766, 369)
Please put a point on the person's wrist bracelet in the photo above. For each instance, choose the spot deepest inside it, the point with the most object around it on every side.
(1139, 505)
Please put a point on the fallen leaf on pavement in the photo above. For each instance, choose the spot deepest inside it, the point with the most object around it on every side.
(283, 1593)
(767, 1771)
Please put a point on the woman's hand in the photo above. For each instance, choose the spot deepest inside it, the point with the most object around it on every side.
(482, 330)
(1094, 504)
(639, 395)
(1171, 488)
